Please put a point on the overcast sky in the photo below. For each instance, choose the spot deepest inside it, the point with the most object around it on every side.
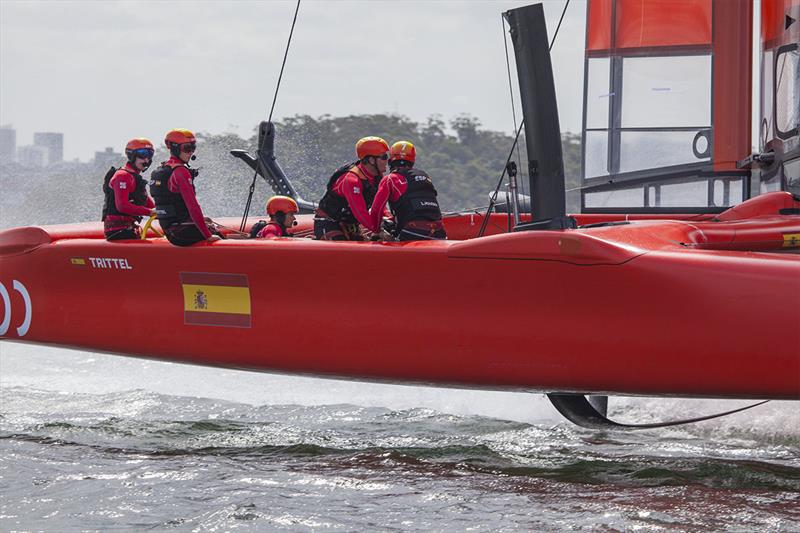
(103, 72)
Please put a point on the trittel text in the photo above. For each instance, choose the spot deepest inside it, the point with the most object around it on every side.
(113, 263)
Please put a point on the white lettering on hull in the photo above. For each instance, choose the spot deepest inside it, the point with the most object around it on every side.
(110, 263)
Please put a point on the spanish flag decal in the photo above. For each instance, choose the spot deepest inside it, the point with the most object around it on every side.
(211, 299)
(78, 261)
(791, 240)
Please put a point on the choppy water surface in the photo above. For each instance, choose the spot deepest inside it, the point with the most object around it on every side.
(94, 442)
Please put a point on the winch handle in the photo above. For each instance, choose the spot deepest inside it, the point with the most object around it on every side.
(147, 226)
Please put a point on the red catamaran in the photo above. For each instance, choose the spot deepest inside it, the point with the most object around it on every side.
(680, 277)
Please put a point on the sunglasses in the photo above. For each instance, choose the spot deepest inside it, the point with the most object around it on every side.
(383, 157)
(144, 153)
(188, 147)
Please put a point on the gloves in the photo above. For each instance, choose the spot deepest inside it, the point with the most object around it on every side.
(382, 235)
(389, 226)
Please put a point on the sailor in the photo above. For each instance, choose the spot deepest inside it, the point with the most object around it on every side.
(281, 210)
(126, 199)
(411, 196)
(172, 187)
(344, 209)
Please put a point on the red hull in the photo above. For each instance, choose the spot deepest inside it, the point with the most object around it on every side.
(655, 308)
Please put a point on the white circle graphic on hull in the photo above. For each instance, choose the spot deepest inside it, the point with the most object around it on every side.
(23, 328)
(7, 307)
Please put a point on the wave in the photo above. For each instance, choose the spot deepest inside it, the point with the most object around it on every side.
(144, 424)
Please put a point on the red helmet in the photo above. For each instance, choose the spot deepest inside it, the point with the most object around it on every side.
(179, 136)
(403, 151)
(284, 204)
(139, 147)
(371, 146)
(139, 143)
(178, 140)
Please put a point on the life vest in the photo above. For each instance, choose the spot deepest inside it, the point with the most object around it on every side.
(281, 227)
(256, 229)
(138, 196)
(261, 224)
(336, 206)
(418, 202)
(170, 206)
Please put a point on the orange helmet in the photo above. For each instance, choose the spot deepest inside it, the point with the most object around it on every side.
(179, 136)
(139, 143)
(139, 147)
(403, 151)
(178, 140)
(371, 146)
(284, 204)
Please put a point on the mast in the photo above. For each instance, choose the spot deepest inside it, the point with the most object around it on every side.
(540, 112)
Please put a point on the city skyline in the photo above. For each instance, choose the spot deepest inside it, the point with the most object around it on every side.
(46, 148)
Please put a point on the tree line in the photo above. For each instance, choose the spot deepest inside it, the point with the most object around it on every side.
(464, 159)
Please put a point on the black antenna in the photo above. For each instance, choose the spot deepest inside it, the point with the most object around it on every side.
(285, 55)
(269, 120)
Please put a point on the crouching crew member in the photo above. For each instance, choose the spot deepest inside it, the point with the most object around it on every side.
(344, 208)
(126, 199)
(411, 197)
(172, 188)
(281, 210)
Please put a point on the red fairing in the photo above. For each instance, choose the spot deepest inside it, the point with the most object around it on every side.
(181, 181)
(760, 206)
(651, 23)
(663, 23)
(391, 187)
(773, 22)
(350, 188)
(598, 20)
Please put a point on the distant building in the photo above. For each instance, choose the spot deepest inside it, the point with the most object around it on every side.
(107, 158)
(8, 144)
(33, 156)
(54, 142)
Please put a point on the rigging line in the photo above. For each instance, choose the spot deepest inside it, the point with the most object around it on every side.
(285, 55)
(510, 84)
(513, 115)
(585, 187)
(250, 195)
(493, 199)
(269, 120)
(558, 27)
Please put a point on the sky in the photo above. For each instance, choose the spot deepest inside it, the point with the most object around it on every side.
(104, 72)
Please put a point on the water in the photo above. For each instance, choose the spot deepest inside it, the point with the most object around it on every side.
(96, 442)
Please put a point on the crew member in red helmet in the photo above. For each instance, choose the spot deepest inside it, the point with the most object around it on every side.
(281, 210)
(344, 209)
(411, 196)
(172, 188)
(126, 199)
